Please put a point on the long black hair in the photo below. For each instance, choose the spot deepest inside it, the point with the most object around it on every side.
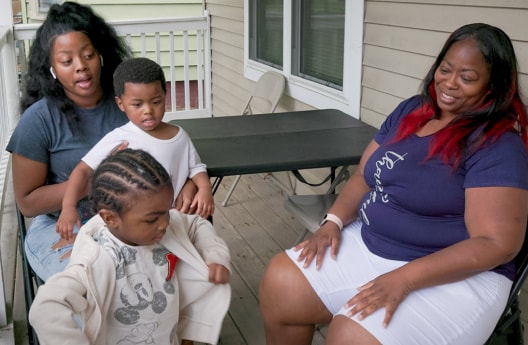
(503, 109)
(62, 19)
(498, 52)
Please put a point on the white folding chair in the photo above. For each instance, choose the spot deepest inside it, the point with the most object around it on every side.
(310, 209)
(264, 99)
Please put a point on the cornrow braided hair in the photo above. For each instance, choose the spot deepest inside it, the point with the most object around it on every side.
(125, 173)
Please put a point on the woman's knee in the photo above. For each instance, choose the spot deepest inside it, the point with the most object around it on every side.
(286, 294)
(280, 278)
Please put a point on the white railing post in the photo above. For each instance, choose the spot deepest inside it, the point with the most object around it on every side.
(8, 114)
(207, 64)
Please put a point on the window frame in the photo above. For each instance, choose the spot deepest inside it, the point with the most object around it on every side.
(304, 90)
(39, 12)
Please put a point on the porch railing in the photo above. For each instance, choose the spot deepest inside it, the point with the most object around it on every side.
(7, 119)
(180, 45)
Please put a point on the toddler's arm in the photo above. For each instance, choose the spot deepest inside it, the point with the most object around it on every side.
(209, 245)
(76, 189)
(203, 201)
(52, 311)
(218, 274)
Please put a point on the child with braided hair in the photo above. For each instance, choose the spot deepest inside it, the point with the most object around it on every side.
(140, 271)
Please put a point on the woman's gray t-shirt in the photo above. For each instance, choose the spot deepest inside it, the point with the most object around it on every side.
(44, 135)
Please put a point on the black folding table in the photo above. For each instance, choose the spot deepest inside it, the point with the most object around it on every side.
(249, 144)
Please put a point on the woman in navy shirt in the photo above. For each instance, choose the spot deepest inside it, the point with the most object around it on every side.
(418, 247)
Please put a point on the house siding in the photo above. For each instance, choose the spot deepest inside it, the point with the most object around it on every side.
(401, 40)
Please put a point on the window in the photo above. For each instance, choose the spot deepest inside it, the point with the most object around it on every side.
(266, 32)
(317, 44)
(41, 7)
(318, 33)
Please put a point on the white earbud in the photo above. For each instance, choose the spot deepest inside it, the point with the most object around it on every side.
(101, 57)
(53, 73)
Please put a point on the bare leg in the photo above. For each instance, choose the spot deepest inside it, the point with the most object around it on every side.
(63, 243)
(187, 342)
(344, 331)
(289, 305)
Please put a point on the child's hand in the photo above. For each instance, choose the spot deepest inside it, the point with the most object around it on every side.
(185, 197)
(203, 203)
(68, 218)
(218, 274)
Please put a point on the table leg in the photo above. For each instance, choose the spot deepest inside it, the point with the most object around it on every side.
(216, 183)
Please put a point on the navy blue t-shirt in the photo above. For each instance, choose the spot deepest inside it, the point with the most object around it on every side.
(43, 135)
(416, 206)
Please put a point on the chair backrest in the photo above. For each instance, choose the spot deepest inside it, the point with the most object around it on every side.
(521, 270)
(509, 329)
(31, 280)
(266, 94)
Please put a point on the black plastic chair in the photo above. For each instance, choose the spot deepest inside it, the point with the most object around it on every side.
(509, 329)
(31, 280)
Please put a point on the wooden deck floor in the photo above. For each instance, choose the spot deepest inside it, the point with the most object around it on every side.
(255, 226)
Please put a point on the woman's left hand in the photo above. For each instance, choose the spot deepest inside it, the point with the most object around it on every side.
(386, 291)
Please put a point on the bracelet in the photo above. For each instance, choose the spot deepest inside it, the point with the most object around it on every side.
(329, 217)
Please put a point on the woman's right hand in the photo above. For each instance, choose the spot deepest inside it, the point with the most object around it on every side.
(328, 235)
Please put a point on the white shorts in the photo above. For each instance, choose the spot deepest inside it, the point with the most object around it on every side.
(464, 312)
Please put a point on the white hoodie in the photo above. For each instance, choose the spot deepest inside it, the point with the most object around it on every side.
(82, 287)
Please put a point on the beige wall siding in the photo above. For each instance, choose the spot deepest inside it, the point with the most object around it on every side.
(229, 87)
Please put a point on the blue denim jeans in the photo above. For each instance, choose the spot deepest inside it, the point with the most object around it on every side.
(40, 239)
